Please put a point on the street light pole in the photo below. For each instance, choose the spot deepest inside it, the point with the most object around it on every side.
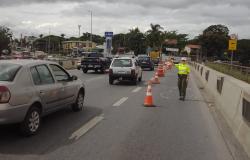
(49, 43)
(91, 25)
(79, 28)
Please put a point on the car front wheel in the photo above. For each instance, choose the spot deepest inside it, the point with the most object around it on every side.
(85, 70)
(78, 105)
(134, 81)
(111, 80)
(140, 79)
(31, 123)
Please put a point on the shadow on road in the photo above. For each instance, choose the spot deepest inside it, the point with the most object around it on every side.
(93, 73)
(54, 133)
(129, 83)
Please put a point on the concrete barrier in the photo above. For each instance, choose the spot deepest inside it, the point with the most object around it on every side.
(229, 93)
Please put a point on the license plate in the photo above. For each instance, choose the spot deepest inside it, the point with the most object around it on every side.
(91, 66)
(144, 62)
(97, 66)
(121, 72)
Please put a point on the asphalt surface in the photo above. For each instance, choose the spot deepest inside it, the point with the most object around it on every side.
(116, 126)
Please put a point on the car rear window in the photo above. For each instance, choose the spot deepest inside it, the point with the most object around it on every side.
(143, 58)
(8, 71)
(122, 63)
(95, 55)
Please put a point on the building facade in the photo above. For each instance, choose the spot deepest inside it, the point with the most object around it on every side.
(68, 46)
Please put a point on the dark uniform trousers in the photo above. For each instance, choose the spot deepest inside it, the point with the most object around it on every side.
(182, 84)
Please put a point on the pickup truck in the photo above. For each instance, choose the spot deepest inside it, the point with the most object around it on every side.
(96, 62)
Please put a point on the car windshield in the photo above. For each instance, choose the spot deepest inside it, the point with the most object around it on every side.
(95, 55)
(143, 58)
(122, 63)
(8, 71)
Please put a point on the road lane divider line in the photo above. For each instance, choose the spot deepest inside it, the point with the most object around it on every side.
(120, 102)
(86, 127)
(92, 79)
(137, 89)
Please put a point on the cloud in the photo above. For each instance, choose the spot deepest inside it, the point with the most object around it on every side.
(63, 16)
(26, 22)
(146, 3)
(46, 25)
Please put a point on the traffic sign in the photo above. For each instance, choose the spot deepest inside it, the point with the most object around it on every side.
(233, 36)
(108, 34)
(232, 45)
(172, 49)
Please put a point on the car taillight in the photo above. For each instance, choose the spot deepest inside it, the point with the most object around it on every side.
(132, 72)
(4, 94)
(110, 71)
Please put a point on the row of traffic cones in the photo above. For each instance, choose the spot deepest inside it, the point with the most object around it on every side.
(162, 69)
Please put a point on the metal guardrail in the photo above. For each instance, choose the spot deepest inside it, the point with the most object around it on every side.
(237, 71)
(242, 69)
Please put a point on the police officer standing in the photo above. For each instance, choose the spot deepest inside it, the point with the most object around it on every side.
(183, 76)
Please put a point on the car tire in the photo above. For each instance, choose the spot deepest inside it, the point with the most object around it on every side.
(85, 70)
(153, 68)
(32, 122)
(111, 80)
(135, 81)
(102, 71)
(78, 105)
(140, 79)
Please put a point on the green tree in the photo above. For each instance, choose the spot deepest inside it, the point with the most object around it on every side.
(136, 41)
(62, 35)
(95, 38)
(243, 51)
(180, 38)
(154, 36)
(49, 43)
(119, 40)
(5, 38)
(41, 36)
(214, 40)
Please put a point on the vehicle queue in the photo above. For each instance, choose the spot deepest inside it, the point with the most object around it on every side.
(30, 89)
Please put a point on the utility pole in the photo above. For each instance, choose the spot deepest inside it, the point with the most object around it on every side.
(21, 40)
(49, 43)
(79, 28)
(91, 14)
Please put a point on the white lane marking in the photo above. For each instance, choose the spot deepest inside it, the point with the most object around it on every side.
(136, 89)
(92, 79)
(86, 127)
(121, 101)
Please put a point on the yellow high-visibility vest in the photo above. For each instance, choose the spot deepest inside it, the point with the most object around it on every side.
(183, 68)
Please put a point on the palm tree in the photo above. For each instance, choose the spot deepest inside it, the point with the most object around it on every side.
(154, 36)
(62, 35)
(41, 35)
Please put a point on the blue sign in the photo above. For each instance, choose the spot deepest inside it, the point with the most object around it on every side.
(108, 34)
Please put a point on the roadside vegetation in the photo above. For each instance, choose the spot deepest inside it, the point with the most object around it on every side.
(238, 72)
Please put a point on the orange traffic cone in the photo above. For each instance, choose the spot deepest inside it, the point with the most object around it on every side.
(164, 69)
(156, 79)
(160, 71)
(148, 101)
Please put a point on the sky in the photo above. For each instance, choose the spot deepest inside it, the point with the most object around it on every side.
(34, 17)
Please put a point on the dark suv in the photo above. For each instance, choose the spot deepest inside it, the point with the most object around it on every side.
(145, 62)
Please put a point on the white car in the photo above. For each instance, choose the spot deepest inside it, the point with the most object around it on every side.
(125, 68)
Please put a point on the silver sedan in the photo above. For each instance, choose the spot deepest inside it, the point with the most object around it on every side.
(30, 89)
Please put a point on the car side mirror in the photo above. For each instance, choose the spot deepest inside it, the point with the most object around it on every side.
(73, 78)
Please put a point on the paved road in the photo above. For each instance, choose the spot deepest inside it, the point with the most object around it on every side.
(120, 128)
